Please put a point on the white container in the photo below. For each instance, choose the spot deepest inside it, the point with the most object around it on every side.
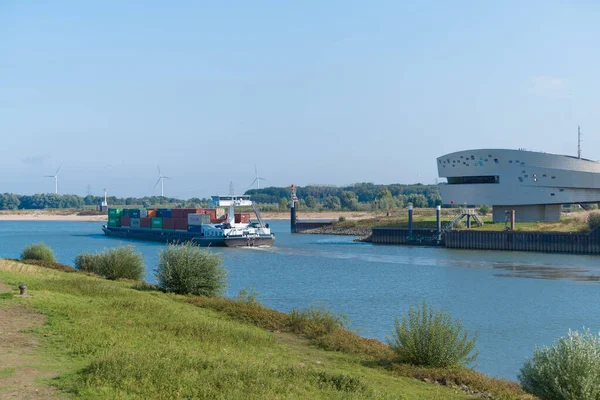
(143, 213)
(198, 219)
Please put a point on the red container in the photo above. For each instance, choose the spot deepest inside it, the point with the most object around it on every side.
(180, 224)
(176, 212)
(146, 222)
(212, 212)
(242, 218)
(168, 223)
(125, 221)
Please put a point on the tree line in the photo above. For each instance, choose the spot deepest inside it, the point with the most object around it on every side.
(358, 196)
(11, 201)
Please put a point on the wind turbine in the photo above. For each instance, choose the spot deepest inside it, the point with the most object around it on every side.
(55, 176)
(257, 179)
(161, 180)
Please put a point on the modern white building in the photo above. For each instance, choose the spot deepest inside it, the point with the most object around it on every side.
(533, 184)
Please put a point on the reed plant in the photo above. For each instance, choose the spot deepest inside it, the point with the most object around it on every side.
(38, 251)
(593, 219)
(431, 338)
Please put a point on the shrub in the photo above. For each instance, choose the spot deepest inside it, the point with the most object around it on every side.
(315, 321)
(593, 219)
(116, 263)
(187, 269)
(569, 369)
(430, 337)
(342, 219)
(38, 251)
(485, 209)
(248, 296)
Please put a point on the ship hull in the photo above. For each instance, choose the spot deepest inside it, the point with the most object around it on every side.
(167, 236)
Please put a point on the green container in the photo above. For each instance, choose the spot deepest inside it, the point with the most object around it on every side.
(115, 212)
(114, 221)
(125, 212)
(157, 223)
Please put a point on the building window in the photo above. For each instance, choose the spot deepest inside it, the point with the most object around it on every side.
(544, 175)
(561, 190)
(462, 180)
(526, 176)
(496, 160)
(553, 177)
(551, 194)
(520, 179)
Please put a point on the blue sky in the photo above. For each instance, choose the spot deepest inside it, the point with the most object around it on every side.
(311, 92)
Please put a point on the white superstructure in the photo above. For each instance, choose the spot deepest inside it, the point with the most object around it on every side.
(532, 183)
(231, 228)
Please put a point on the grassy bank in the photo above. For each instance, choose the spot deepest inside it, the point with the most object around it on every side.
(425, 218)
(109, 340)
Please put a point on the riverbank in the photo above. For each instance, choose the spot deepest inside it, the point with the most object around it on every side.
(107, 339)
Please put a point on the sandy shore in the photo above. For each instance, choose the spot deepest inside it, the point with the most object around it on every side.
(41, 215)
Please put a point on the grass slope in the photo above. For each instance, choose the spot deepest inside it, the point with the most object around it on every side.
(117, 342)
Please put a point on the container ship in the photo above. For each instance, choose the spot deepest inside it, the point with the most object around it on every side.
(202, 226)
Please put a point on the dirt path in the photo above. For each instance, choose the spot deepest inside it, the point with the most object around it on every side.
(21, 366)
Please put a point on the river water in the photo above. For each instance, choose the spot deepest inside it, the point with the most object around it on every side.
(514, 300)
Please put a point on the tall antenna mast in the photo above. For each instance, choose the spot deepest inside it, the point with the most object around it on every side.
(578, 141)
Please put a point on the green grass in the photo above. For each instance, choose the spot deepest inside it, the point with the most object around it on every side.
(424, 218)
(118, 342)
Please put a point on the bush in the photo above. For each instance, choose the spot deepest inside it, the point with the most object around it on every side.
(570, 369)
(430, 337)
(187, 269)
(342, 219)
(593, 219)
(248, 296)
(316, 321)
(38, 251)
(485, 209)
(116, 263)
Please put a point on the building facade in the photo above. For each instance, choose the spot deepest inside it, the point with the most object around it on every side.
(533, 184)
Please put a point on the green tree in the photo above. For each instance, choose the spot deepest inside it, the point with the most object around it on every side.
(310, 202)
(283, 204)
(332, 203)
(349, 201)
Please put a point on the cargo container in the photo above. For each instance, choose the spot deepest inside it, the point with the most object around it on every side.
(198, 219)
(115, 212)
(125, 221)
(135, 213)
(114, 221)
(143, 213)
(163, 213)
(180, 224)
(242, 218)
(157, 223)
(167, 223)
(135, 223)
(151, 213)
(125, 212)
(145, 222)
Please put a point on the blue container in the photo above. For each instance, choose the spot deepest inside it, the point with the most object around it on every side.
(163, 213)
(195, 228)
(134, 213)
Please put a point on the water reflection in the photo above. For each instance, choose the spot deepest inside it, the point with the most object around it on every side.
(545, 272)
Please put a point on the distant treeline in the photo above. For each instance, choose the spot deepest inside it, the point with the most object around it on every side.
(10, 201)
(358, 196)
